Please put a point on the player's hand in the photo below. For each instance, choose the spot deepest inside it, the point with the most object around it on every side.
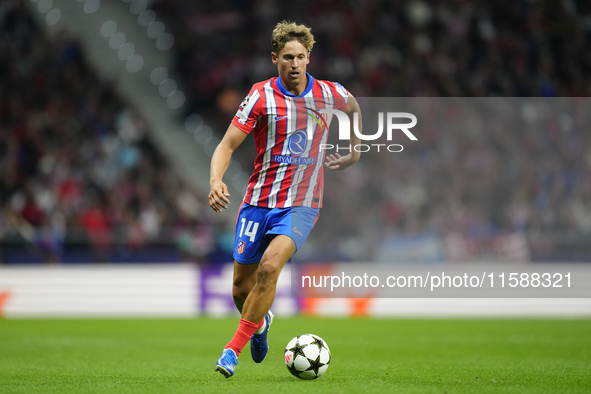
(218, 196)
(337, 162)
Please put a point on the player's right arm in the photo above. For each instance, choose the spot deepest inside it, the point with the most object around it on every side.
(218, 191)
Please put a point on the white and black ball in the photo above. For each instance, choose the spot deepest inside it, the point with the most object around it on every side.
(307, 356)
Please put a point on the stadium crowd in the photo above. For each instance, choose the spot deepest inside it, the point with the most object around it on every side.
(76, 165)
(468, 48)
(533, 176)
(76, 162)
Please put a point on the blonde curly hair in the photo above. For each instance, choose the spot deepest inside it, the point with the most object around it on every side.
(288, 31)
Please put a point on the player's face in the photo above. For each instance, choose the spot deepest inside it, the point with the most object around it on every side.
(291, 62)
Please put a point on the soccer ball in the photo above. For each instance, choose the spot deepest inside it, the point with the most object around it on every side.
(307, 356)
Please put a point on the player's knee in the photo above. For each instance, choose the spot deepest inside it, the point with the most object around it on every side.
(271, 258)
(268, 273)
(240, 289)
(239, 294)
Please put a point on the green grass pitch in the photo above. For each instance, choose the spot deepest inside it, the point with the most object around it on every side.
(368, 356)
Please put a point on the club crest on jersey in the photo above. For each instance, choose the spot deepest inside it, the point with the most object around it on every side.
(240, 248)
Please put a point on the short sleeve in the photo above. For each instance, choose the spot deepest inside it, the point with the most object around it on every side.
(249, 112)
(342, 97)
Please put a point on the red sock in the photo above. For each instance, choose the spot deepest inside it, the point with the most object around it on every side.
(261, 323)
(242, 336)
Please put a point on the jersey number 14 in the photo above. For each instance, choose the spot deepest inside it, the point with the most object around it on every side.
(251, 229)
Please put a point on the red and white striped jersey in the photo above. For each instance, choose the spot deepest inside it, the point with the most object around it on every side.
(288, 169)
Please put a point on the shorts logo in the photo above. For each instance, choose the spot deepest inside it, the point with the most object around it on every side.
(240, 248)
(295, 230)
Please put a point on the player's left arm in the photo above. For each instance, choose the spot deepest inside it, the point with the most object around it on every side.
(336, 161)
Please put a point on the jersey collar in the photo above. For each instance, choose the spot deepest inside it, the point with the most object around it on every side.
(305, 92)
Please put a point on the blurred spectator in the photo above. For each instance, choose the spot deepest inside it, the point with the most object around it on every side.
(64, 134)
(95, 223)
(384, 48)
(77, 169)
(491, 182)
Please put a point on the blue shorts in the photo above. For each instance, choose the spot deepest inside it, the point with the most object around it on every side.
(256, 227)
